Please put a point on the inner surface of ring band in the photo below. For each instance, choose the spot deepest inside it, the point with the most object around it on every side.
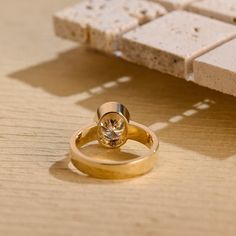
(109, 169)
(134, 133)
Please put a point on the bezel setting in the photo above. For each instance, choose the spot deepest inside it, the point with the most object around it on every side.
(112, 124)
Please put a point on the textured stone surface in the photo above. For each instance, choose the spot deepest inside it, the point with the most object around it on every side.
(217, 68)
(100, 23)
(175, 4)
(224, 10)
(169, 44)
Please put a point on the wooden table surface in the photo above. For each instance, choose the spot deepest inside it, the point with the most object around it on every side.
(50, 87)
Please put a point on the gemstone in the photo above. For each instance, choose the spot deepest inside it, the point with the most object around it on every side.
(112, 130)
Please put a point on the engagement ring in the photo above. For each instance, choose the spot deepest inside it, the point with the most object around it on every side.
(112, 129)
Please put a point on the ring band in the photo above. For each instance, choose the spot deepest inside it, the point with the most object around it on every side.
(118, 170)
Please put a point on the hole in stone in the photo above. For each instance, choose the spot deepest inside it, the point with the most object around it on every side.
(73, 34)
(89, 7)
(102, 6)
(196, 29)
(144, 12)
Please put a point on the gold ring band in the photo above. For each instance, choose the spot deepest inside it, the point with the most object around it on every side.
(118, 170)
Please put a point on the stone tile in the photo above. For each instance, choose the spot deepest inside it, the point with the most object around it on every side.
(171, 5)
(224, 10)
(100, 23)
(169, 44)
(217, 69)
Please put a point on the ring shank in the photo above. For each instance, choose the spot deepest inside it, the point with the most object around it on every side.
(111, 170)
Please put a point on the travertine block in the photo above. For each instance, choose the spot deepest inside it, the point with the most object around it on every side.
(217, 68)
(224, 10)
(171, 5)
(169, 44)
(100, 23)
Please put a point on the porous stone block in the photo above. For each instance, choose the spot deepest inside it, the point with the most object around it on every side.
(171, 5)
(100, 23)
(217, 69)
(224, 10)
(170, 43)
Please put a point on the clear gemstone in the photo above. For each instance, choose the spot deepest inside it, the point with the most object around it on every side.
(112, 130)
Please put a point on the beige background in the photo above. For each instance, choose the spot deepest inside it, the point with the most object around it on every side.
(50, 87)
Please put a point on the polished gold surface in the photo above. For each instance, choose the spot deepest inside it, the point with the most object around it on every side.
(112, 107)
(108, 169)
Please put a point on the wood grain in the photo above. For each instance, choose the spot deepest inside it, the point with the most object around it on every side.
(50, 87)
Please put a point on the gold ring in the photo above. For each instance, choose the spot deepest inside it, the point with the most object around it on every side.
(112, 129)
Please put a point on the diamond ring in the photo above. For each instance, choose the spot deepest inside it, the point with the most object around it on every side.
(112, 129)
